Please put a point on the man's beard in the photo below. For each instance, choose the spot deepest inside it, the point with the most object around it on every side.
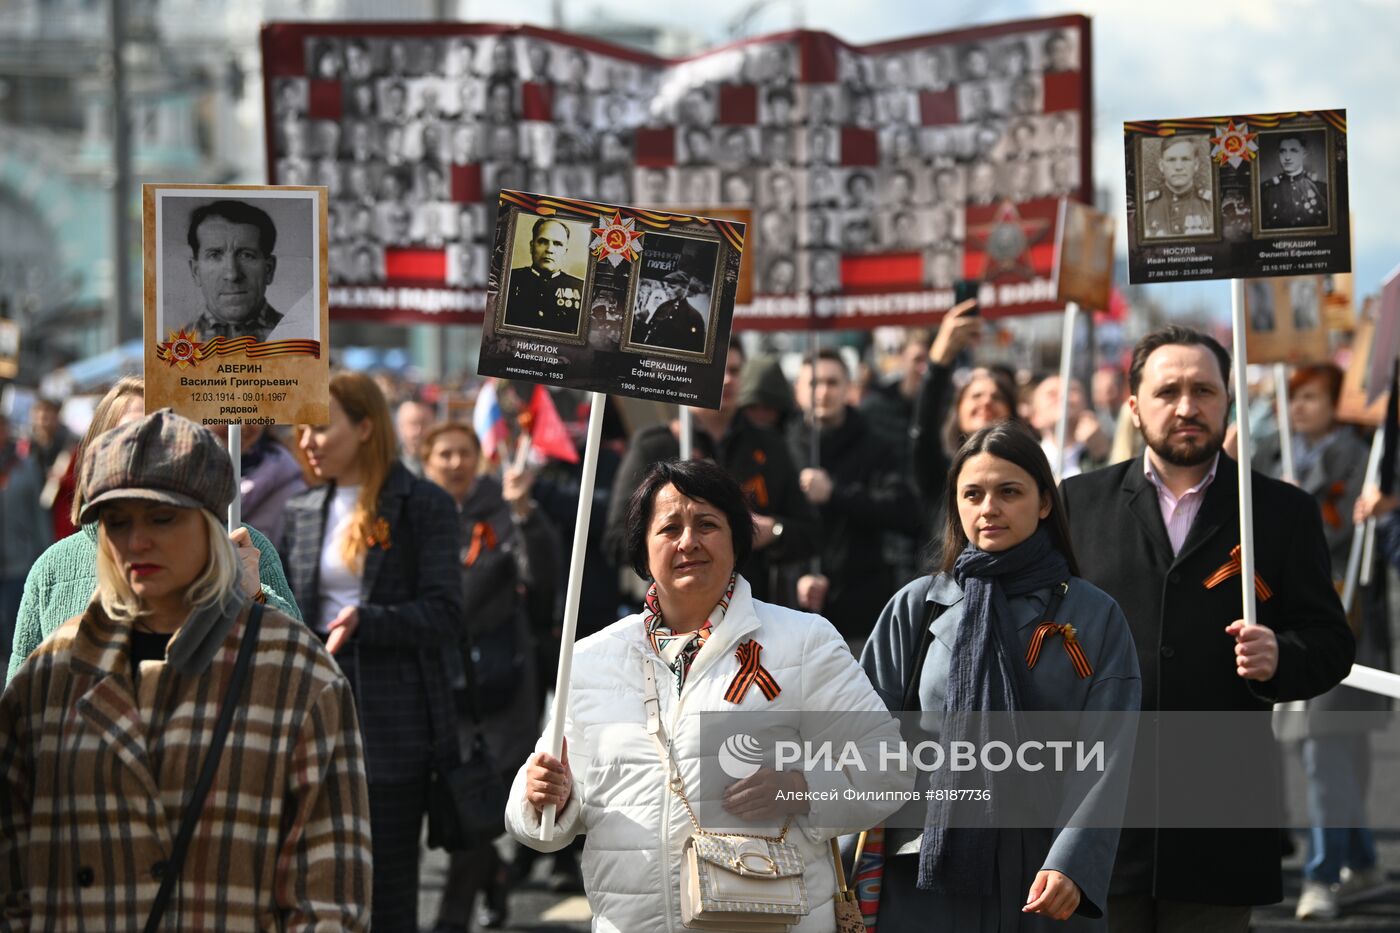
(1186, 452)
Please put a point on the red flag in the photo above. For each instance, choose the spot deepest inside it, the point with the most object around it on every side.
(547, 432)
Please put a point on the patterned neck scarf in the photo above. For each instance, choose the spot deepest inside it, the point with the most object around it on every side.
(679, 651)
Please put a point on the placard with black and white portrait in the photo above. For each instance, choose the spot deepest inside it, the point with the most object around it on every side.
(777, 106)
(673, 297)
(1061, 51)
(856, 233)
(574, 180)
(822, 104)
(825, 187)
(243, 265)
(366, 262)
(697, 187)
(825, 266)
(736, 187)
(498, 175)
(779, 146)
(819, 231)
(736, 146)
(393, 101)
(1305, 297)
(778, 190)
(614, 185)
(780, 274)
(694, 106)
(326, 61)
(901, 231)
(696, 145)
(775, 232)
(547, 281)
(574, 70)
(466, 265)
(941, 267)
(434, 224)
(290, 97)
(819, 146)
(1177, 195)
(767, 64)
(1293, 191)
(396, 223)
(899, 145)
(653, 186)
(1259, 305)
(899, 187)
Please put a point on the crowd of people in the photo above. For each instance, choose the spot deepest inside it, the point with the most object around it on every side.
(392, 604)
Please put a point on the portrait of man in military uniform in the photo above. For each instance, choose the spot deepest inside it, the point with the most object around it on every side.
(1259, 306)
(1180, 202)
(1294, 197)
(546, 294)
(674, 295)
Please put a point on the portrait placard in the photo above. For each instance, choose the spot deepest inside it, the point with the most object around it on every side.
(1354, 405)
(1284, 321)
(1084, 256)
(236, 324)
(1245, 196)
(1385, 344)
(606, 298)
(876, 175)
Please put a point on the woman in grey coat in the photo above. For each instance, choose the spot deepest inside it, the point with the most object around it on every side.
(992, 632)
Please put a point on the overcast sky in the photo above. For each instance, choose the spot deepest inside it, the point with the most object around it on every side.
(1176, 58)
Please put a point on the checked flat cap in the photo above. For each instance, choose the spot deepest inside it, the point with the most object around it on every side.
(164, 457)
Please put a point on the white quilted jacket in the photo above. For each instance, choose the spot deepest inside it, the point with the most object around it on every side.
(635, 829)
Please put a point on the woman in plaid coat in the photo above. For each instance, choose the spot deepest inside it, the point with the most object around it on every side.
(105, 729)
(373, 560)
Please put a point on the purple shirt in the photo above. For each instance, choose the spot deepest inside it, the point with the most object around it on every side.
(1179, 512)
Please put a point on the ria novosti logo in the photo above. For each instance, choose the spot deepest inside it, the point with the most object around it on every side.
(740, 756)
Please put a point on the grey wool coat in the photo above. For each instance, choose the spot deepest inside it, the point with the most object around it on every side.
(1084, 854)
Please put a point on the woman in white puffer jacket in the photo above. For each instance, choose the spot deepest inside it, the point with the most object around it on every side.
(688, 530)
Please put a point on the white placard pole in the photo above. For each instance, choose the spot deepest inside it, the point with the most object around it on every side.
(687, 437)
(1285, 430)
(571, 596)
(1368, 549)
(1066, 368)
(1242, 427)
(1358, 532)
(235, 452)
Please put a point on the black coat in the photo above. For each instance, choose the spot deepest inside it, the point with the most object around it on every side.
(870, 496)
(1187, 659)
(410, 611)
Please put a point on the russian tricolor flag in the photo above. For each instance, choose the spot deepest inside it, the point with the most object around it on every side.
(489, 422)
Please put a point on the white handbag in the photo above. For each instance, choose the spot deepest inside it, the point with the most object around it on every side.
(731, 881)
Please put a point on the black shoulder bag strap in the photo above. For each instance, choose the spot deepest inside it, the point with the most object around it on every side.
(195, 804)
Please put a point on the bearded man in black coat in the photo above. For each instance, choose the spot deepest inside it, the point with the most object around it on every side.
(1160, 534)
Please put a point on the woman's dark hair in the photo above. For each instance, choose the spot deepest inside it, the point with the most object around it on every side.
(1013, 442)
(694, 479)
(953, 435)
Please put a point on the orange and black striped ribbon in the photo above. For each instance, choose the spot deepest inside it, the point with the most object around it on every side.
(1232, 568)
(1330, 513)
(1082, 667)
(483, 536)
(751, 672)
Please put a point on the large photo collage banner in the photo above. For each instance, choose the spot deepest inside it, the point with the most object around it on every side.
(874, 177)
